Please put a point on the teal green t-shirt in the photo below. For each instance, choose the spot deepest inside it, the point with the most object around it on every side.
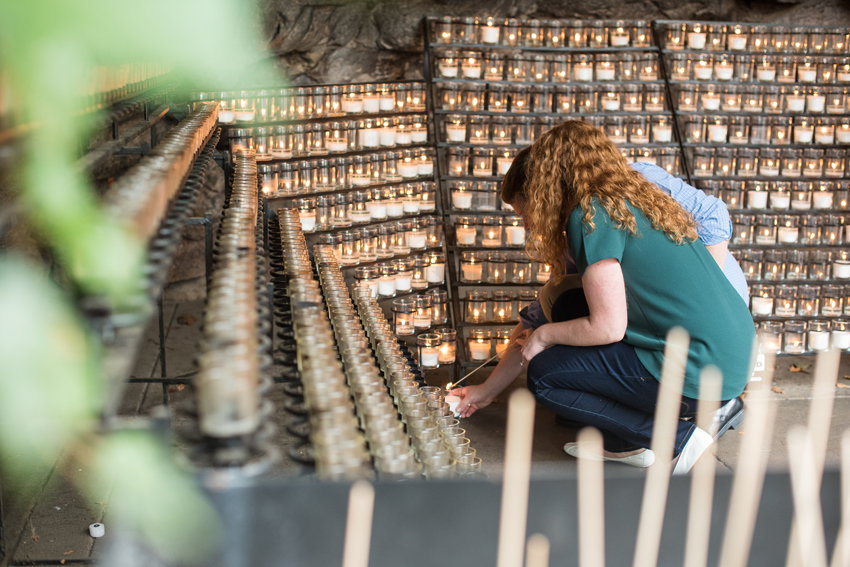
(668, 285)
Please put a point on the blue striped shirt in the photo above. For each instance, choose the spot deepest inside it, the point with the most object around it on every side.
(713, 227)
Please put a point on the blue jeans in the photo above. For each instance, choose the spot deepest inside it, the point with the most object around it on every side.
(606, 387)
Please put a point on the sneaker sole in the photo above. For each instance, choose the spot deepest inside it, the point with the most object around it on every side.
(733, 423)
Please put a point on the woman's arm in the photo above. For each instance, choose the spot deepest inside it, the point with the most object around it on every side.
(606, 299)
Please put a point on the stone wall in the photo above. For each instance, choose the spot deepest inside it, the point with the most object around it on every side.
(338, 41)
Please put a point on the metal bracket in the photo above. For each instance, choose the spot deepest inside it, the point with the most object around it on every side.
(143, 150)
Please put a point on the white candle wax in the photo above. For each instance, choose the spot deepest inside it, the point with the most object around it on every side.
(584, 73)
(803, 135)
(395, 208)
(604, 73)
(456, 133)
(787, 234)
(479, 350)
(490, 34)
(662, 134)
(461, 200)
(308, 222)
(416, 241)
(703, 72)
(360, 216)
(244, 115)
(766, 74)
(815, 103)
(337, 145)
(766, 239)
(756, 199)
(843, 135)
(696, 40)
(710, 102)
(640, 137)
(435, 273)
(784, 309)
(717, 133)
(378, 210)
(371, 104)
(762, 305)
(504, 164)
(795, 103)
(471, 70)
(369, 138)
(843, 76)
(822, 200)
(410, 206)
(425, 167)
(226, 116)
(419, 136)
(465, 236)
(360, 179)
(841, 339)
(737, 42)
(818, 340)
(824, 138)
(448, 71)
(452, 400)
(386, 102)
(352, 105)
(386, 288)
(491, 239)
(471, 272)
(611, 105)
(388, 136)
(429, 357)
(800, 205)
(807, 75)
(402, 283)
(841, 270)
(723, 71)
(831, 307)
(408, 169)
(515, 235)
(422, 321)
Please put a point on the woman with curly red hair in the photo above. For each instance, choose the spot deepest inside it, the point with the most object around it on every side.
(643, 271)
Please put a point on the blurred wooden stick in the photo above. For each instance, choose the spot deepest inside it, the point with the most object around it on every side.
(537, 551)
(591, 500)
(841, 553)
(820, 417)
(702, 480)
(512, 521)
(749, 476)
(358, 525)
(663, 440)
(806, 492)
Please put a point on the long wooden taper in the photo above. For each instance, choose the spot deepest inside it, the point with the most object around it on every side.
(806, 492)
(537, 551)
(591, 500)
(663, 440)
(358, 526)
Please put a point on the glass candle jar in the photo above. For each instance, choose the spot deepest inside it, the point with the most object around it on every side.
(428, 345)
(796, 265)
(439, 306)
(403, 310)
(519, 269)
(497, 263)
(476, 307)
(840, 335)
(350, 247)
(788, 232)
(367, 276)
(422, 315)
(773, 267)
(471, 267)
(832, 304)
(436, 272)
(465, 231)
(386, 280)
(368, 244)
(479, 344)
(742, 229)
(769, 162)
(792, 163)
(419, 278)
(491, 232)
(761, 300)
(785, 304)
(503, 307)
(808, 301)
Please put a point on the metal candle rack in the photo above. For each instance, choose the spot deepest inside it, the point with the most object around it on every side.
(763, 114)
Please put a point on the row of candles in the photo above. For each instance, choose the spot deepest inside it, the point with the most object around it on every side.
(478, 196)
(301, 103)
(539, 68)
(782, 69)
(755, 38)
(490, 231)
(439, 446)
(301, 140)
(757, 99)
(386, 240)
(560, 99)
(228, 366)
(763, 130)
(388, 279)
(797, 337)
(485, 162)
(793, 265)
(788, 230)
(365, 206)
(502, 268)
(482, 342)
(768, 162)
(512, 32)
(459, 129)
(500, 306)
(140, 197)
(759, 194)
(334, 174)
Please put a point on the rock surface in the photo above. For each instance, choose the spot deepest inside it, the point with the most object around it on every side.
(338, 41)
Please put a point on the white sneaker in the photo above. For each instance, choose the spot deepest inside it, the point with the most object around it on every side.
(642, 460)
(700, 441)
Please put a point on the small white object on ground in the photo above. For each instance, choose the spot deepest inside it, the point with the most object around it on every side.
(97, 530)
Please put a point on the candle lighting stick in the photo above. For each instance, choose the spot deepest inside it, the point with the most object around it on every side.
(820, 416)
(749, 476)
(451, 385)
(841, 553)
(806, 492)
(663, 440)
(537, 551)
(358, 527)
(514, 513)
(702, 480)
(591, 500)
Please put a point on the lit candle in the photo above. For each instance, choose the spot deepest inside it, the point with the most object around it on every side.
(515, 235)
(723, 71)
(696, 39)
(841, 269)
(662, 133)
(492, 238)
(429, 357)
(717, 133)
(762, 305)
(710, 101)
(787, 234)
(479, 349)
(841, 339)
(471, 272)
(756, 199)
(818, 340)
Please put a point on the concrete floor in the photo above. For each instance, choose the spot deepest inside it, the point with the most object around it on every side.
(46, 519)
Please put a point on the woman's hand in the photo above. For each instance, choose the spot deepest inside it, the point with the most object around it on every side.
(472, 399)
(532, 343)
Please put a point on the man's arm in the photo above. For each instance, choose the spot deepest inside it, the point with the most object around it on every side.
(719, 252)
